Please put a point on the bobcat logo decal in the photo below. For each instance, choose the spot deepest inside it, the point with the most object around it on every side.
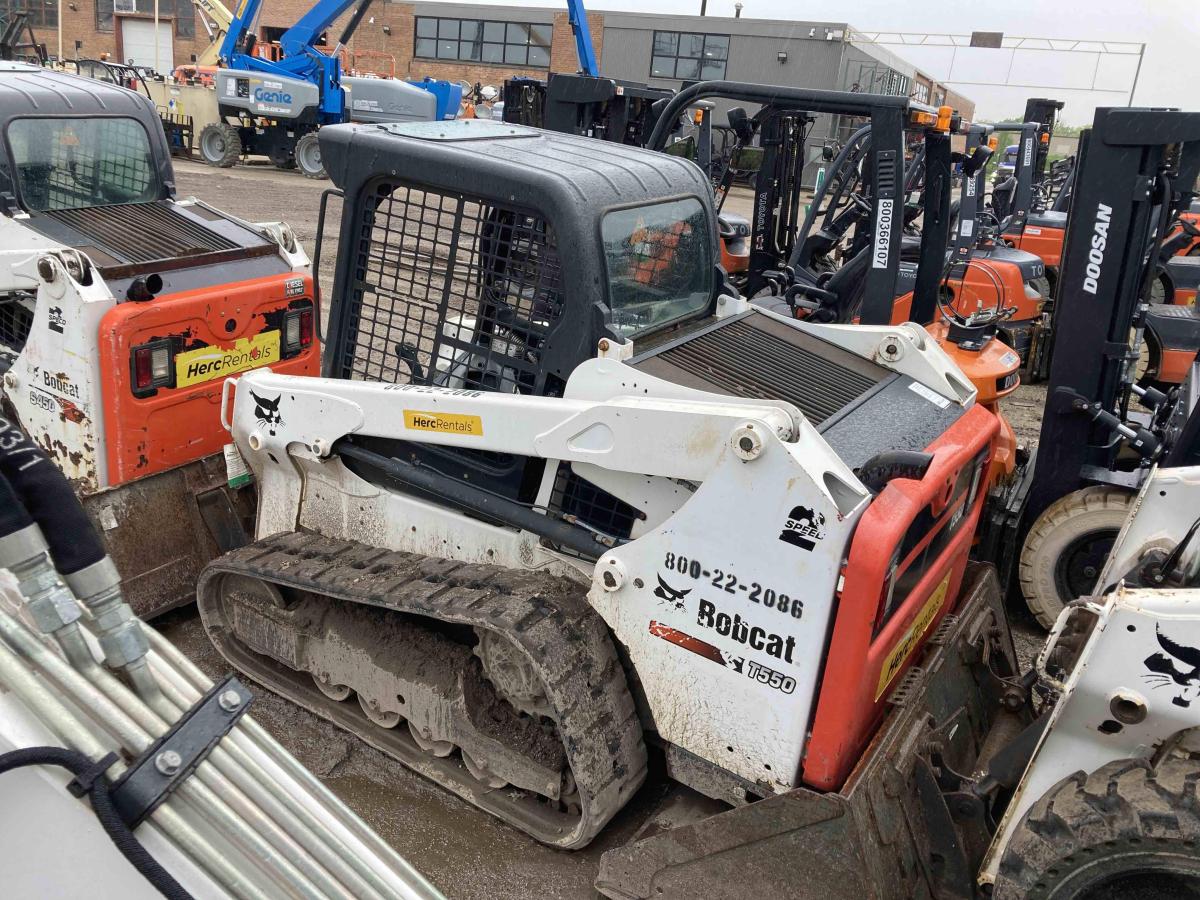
(671, 595)
(267, 412)
(1164, 670)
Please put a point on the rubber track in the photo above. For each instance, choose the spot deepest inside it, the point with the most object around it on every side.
(546, 616)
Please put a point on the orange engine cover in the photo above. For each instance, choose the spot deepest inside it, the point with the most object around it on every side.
(995, 371)
(988, 283)
(1192, 247)
(902, 577)
(985, 285)
(735, 255)
(1041, 241)
(212, 332)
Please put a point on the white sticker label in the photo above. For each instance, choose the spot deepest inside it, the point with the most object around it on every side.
(231, 87)
(1029, 230)
(1009, 358)
(935, 398)
(968, 227)
(237, 473)
(883, 235)
(108, 518)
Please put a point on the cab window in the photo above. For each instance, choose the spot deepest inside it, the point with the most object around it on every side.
(660, 267)
(71, 163)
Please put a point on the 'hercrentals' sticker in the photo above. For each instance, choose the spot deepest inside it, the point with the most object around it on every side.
(904, 647)
(207, 363)
(443, 423)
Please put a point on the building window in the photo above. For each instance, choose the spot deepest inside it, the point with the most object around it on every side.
(921, 93)
(181, 11)
(689, 57)
(473, 40)
(42, 13)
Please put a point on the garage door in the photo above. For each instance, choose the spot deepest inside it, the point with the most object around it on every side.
(137, 44)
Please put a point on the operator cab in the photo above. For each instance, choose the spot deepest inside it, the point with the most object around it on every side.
(505, 256)
(87, 166)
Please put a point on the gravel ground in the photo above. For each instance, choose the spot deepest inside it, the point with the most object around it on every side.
(466, 853)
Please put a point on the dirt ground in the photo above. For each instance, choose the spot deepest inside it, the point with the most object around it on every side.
(464, 852)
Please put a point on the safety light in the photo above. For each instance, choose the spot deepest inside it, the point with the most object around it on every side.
(920, 117)
(152, 367)
(993, 143)
(297, 330)
(1045, 138)
(945, 114)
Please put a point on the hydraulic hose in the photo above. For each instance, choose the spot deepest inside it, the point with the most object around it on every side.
(851, 146)
(50, 500)
(79, 557)
(13, 515)
(102, 805)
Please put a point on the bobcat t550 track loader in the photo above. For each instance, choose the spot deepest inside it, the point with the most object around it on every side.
(561, 496)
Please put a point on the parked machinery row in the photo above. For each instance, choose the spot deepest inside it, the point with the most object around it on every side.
(564, 505)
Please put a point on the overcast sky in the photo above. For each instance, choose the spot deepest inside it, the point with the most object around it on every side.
(1169, 28)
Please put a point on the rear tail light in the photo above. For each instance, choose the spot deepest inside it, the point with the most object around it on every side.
(297, 330)
(152, 367)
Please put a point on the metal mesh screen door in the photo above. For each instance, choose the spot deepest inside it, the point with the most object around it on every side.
(450, 290)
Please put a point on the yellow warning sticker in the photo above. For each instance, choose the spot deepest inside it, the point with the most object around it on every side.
(207, 363)
(905, 646)
(443, 423)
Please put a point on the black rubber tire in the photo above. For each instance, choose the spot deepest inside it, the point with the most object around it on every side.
(1161, 290)
(308, 152)
(1100, 509)
(1096, 836)
(220, 145)
(1042, 285)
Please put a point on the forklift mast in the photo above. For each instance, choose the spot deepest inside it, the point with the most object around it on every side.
(1135, 166)
(888, 115)
(1044, 112)
(776, 221)
(1024, 171)
(966, 235)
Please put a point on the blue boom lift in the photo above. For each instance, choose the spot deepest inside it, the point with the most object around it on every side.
(274, 107)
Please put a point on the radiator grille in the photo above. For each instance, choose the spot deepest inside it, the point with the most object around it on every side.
(143, 232)
(452, 291)
(743, 360)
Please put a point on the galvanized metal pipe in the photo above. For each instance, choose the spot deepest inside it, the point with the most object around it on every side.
(253, 791)
(253, 737)
(214, 807)
(360, 879)
(74, 734)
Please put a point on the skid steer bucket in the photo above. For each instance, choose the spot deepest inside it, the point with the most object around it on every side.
(897, 829)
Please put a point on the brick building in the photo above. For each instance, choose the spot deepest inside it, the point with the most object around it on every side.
(123, 30)
(488, 44)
